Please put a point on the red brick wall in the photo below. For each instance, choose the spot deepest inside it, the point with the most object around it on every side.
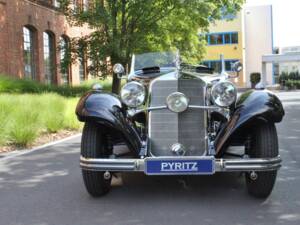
(3, 37)
(14, 15)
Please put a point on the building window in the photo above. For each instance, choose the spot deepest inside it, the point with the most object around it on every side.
(229, 64)
(82, 62)
(65, 69)
(28, 54)
(49, 57)
(227, 39)
(217, 65)
(85, 5)
(234, 38)
(81, 71)
(214, 64)
(74, 5)
(56, 3)
(216, 39)
(82, 68)
(222, 38)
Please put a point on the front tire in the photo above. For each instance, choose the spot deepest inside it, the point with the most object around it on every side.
(263, 144)
(93, 145)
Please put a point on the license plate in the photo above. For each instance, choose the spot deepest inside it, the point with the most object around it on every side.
(183, 166)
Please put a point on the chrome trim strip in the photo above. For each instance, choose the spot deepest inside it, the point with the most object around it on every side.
(133, 112)
(204, 107)
(221, 165)
(156, 108)
(165, 107)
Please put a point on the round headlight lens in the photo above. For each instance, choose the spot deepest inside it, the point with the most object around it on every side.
(223, 94)
(118, 68)
(133, 94)
(177, 102)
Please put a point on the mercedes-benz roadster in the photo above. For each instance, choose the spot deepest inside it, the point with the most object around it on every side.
(178, 119)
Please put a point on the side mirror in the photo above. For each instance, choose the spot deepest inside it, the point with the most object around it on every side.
(119, 70)
(237, 66)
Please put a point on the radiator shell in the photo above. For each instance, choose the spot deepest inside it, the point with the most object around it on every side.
(187, 128)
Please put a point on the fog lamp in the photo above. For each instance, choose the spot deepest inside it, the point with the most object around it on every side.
(177, 102)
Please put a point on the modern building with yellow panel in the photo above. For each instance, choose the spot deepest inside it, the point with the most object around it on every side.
(236, 39)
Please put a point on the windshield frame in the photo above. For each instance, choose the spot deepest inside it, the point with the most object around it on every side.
(190, 69)
(133, 70)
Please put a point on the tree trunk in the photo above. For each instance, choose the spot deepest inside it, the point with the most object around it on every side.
(116, 84)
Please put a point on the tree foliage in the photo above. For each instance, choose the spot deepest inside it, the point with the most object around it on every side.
(123, 27)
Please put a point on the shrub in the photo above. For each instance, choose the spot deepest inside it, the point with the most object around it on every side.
(13, 85)
(292, 84)
(294, 76)
(290, 80)
(254, 78)
(284, 76)
(288, 84)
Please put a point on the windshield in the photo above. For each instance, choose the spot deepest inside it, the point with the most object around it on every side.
(155, 59)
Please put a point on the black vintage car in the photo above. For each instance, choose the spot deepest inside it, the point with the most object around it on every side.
(177, 119)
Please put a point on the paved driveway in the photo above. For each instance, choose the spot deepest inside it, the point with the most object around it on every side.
(45, 187)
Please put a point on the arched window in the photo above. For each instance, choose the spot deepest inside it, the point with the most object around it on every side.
(28, 54)
(56, 3)
(74, 4)
(85, 5)
(49, 57)
(82, 63)
(65, 65)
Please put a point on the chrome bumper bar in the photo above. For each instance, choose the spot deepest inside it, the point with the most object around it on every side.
(221, 165)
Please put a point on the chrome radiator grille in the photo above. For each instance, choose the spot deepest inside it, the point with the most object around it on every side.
(187, 128)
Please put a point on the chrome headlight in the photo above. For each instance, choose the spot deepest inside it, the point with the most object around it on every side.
(118, 68)
(133, 94)
(223, 94)
(177, 102)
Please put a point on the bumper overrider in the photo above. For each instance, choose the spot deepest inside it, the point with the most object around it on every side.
(181, 165)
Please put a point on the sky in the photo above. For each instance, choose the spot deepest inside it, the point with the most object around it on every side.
(286, 21)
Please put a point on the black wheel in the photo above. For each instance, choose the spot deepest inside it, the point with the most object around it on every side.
(93, 145)
(263, 144)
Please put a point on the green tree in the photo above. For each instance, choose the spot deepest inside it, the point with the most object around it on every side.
(123, 27)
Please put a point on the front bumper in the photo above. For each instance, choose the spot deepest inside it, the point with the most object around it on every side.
(220, 165)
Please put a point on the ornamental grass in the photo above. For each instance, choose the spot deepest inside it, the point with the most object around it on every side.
(24, 117)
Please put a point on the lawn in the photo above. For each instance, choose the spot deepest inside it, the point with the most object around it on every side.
(29, 109)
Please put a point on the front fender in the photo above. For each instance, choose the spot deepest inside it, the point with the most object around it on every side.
(107, 110)
(251, 107)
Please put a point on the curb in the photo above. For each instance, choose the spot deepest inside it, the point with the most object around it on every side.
(16, 153)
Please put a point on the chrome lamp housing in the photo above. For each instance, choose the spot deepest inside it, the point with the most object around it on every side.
(133, 94)
(177, 102)
(224, 94)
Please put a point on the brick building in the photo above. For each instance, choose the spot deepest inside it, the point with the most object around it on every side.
(31, 32)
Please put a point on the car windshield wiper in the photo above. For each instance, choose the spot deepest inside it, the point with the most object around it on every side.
(197, 68)
(149, 70)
